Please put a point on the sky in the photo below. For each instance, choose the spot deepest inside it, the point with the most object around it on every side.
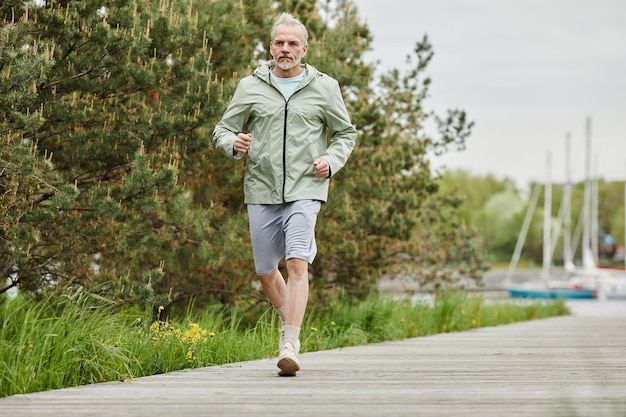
(528, 73)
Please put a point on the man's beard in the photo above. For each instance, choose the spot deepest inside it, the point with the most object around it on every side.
(286, 66)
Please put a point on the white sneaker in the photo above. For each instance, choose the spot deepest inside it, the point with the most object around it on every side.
(288, 360)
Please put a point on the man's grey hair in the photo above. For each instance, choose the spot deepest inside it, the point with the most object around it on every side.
(288, 19)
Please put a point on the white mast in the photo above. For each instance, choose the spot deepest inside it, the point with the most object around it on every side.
(585, 246)
(547, 220)
(595, 224)
(568, 262)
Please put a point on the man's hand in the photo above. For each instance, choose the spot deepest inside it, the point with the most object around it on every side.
(242, 142)
(321, 168)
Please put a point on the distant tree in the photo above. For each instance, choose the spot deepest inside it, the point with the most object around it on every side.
(499, 222)
(611, 203)
(475, 190)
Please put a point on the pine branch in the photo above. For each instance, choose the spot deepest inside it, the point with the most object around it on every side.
(73, 77)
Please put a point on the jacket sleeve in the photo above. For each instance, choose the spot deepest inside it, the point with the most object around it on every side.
(342, 132)
(234, 121)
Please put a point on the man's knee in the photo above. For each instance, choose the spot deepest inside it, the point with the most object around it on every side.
(298, 268)
(269, 277)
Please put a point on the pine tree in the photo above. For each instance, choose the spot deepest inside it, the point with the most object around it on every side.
(113, 108)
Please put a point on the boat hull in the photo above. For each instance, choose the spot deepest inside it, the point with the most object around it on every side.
(552, 293)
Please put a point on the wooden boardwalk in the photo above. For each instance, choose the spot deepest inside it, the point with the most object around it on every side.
(565, 366)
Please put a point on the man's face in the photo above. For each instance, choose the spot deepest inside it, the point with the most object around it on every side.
(288, 47)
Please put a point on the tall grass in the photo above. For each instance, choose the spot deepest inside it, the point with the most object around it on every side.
(388, 318)
(79, 338)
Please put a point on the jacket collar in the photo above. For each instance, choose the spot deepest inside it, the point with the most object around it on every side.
(263, 72)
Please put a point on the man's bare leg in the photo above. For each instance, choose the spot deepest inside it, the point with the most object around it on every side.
(290, 297)
(295, 301)
(275, 289)
(297, 291)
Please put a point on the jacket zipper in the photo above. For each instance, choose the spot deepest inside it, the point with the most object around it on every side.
(285, 150)
(285, 134)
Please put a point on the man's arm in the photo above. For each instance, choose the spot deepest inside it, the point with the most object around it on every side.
(233, 122)
(343, 133)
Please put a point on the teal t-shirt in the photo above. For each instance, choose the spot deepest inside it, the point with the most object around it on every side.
(288, 85)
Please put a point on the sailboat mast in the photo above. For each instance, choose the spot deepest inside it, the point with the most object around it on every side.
(585, 246)
(568, 264)
(547, 219)
(595, 224)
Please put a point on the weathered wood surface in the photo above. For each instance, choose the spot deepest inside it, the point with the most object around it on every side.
(565, 366)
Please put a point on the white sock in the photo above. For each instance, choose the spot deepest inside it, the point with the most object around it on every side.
(291, 334)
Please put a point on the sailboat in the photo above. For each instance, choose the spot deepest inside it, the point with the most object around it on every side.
(582, 283)
(607, 283)
(548, 287)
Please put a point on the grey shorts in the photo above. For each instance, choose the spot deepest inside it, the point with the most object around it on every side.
(282, 230)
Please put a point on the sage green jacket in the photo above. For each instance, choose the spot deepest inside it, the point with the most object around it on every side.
(287, 135)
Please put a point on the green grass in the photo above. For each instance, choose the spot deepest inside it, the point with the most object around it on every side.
(78, 339)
